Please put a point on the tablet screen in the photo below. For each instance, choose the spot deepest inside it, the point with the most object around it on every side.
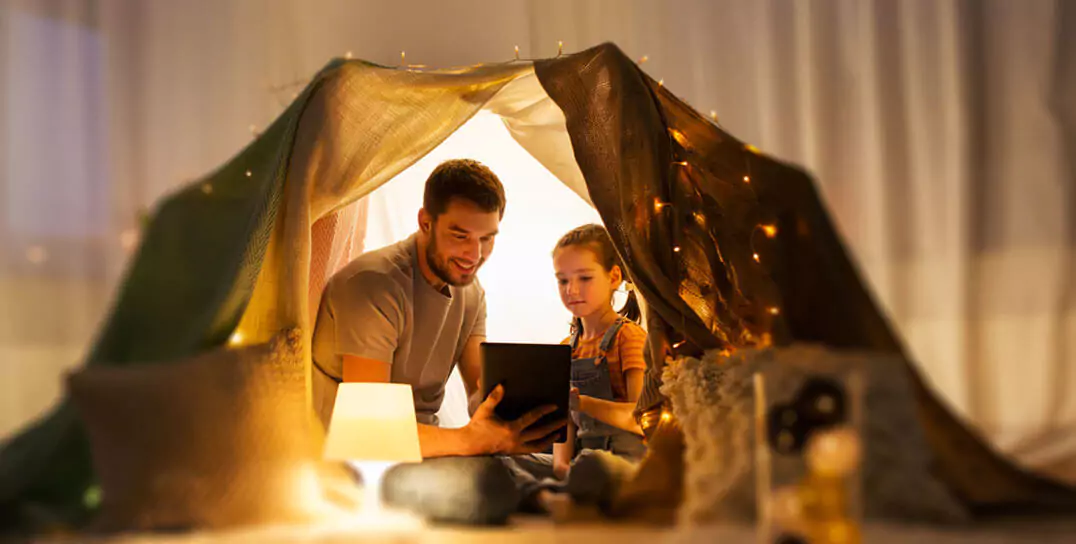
(533, 375)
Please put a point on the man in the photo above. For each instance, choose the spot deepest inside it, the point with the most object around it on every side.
(409, 312)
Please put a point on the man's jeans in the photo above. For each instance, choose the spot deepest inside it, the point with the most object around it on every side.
(532, 473)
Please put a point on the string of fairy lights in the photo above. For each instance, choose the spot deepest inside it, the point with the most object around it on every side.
(663, 207)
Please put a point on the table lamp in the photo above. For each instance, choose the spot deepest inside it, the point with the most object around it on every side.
(373, 427)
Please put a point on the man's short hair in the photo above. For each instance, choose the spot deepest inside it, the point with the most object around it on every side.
(463, 178)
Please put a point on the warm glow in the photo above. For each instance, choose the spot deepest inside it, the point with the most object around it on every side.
(752, 149)
(249, 173)
(517, 52)
(666, 416)
(658, 205)
(373, 426)
(385, 411)
(236, 339)
(774, 310)
(347, 55)
(678, 344)
(661, 82)
(644, 59)
(676, 249)
(560, 48)
(678, 136)
(713, 115)
(682, 163)
(747, 179)
(770, 230)
(403, 58)
(756, 257)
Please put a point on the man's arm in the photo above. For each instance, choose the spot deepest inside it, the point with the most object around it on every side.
(434, 441)
(484, 435)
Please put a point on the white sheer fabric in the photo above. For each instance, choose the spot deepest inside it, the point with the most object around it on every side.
(934, 129)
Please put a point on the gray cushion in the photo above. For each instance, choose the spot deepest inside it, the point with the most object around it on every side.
(468, 490)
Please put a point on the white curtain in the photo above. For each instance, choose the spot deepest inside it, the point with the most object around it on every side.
(934, 128)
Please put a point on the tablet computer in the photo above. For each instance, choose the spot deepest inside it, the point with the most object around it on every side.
(533, 375)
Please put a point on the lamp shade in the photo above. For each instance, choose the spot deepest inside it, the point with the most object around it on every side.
(373, 422)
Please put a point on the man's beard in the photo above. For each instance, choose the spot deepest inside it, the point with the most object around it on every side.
(440, 267)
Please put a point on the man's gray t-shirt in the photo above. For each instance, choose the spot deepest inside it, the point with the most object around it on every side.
(380, 307)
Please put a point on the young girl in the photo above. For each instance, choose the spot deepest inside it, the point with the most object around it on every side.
(607, 348)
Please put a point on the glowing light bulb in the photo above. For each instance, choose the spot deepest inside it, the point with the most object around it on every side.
(403, 58)
(658, 205)
(678, 344)
(249, 173)
(681, 163)
(678, 136)
(755, 257)
(770, 230)
(747, 179)
(774, 310)
(676, 249)
(661, 83)
(713, 115)
(517, 52)
(560, 48)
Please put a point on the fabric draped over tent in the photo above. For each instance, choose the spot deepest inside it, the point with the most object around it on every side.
(731, 283)
(729, 248)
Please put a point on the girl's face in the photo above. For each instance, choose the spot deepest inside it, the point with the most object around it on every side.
(585, 287)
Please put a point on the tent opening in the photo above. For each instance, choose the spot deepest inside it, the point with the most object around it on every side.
(521, 293)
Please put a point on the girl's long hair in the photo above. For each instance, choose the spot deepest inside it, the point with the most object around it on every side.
(596, 238)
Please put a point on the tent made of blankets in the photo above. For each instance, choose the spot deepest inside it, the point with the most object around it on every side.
(729, 247)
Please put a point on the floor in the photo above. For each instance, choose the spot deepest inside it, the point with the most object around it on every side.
(575, 525)
(544, 531)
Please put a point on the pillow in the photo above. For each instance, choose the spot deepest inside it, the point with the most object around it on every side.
(713, 399)
(463, 490)
(220, 439)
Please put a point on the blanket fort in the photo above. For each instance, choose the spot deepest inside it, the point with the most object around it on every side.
(729, 247)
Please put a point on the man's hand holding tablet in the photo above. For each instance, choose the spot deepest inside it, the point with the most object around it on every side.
(489, 433)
